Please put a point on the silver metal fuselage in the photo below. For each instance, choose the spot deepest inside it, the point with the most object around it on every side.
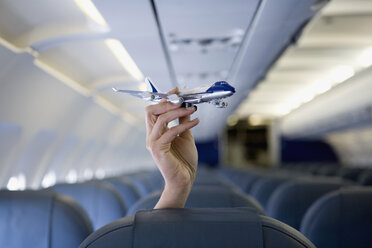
(205, 97)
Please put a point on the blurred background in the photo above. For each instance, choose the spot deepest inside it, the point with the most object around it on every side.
(301, 69)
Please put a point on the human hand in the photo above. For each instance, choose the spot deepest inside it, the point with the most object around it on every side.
(173, 150)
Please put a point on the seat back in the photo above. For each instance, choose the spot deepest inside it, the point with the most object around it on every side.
(126, 189)
(289, 202)
(41, 219)
(232, 227)
(264, 187)
(146, 182)
(365, 178)
(204, 197)
(342, 218)
(100, 200)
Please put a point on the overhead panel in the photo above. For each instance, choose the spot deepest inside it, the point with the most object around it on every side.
(24, 23)
(203, 37)
(134, 25)
(335, 46)
(77, 61)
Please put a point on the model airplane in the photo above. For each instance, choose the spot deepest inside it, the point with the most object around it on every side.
(211, 94)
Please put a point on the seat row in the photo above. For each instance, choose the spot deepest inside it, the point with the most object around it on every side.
(213, 196)
(297, 198)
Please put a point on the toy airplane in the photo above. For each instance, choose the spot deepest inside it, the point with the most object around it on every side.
(211, 94)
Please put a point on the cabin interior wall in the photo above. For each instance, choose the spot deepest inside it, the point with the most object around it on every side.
(48, 127)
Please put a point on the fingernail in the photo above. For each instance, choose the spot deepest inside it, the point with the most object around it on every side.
(191, 108)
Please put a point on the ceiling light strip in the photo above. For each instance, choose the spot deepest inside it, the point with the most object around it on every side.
(124, 58)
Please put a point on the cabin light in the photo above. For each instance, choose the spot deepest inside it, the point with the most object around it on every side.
(88, 174)
(91, 11)
(49, 180)
(17, 182)
(255, 120)
(341, 73)
(124, 58)
(109, 106)
(322, 85)
(232, 120)
(62, 77)
(71, 176)
(282, 109)
(100, 174)
(365, 59)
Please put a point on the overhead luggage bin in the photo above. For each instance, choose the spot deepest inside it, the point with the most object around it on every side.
(233, 228)
(41, 219)
(340, 219)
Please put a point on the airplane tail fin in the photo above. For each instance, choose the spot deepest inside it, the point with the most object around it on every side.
(153, 89)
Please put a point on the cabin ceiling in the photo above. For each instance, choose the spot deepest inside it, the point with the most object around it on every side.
(92, 46)
(336, 46)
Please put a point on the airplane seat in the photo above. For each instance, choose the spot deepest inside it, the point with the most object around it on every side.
(264, 187)
(365, 178)
(204, 197)
(126, 189)
(328, 170)
(350, 173)
(38, 219)
(232, 227)
(146, 182)
(208, 177)
(244, 179)
(99, 199)
(289, 202)
(340, 219)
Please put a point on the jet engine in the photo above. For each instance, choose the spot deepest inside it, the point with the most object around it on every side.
(220, 104)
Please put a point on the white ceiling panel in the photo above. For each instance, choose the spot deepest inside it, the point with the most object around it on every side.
(23, 22)
(76, 61)
(203, 37)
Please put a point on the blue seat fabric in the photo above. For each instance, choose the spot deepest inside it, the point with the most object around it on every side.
(41, 219)
(204, 197)
(232, 228)
(99, 199)
(341, 219)
(289, 202)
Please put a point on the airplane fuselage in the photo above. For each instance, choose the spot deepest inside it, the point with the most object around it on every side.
(205, 97)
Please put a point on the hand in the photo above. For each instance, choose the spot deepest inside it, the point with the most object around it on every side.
(173, 150)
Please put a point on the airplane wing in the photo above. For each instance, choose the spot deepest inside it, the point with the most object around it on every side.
(142, 94)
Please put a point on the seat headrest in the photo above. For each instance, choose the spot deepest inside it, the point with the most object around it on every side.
(99, 199)
(289, 202)
(365, 178)
(41, 219)
(207, 227)
(232, 227)
(204, 197)
(340, 219)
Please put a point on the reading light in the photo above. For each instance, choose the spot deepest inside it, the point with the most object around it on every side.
(90, 10)
(124, 58)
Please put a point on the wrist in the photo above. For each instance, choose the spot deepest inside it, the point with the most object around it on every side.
(174, 196)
